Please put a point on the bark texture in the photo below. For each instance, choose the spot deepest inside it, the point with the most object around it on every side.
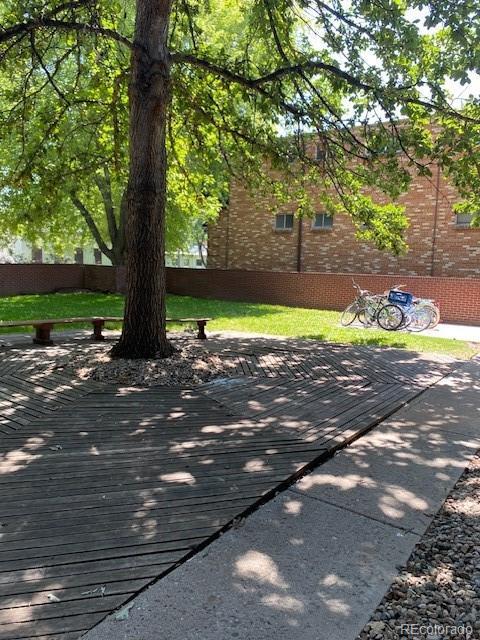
(144, 327)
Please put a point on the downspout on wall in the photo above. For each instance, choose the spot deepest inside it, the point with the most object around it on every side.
(227, 239)
(299, 244)
(435, 221)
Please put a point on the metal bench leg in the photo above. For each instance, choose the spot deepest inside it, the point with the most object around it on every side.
(201, 335)
(42, 334)
(97, 330)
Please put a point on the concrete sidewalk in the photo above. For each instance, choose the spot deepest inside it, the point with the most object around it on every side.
(454, 332)
(315, 562)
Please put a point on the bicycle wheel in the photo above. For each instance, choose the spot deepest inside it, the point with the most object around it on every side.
(363, 319)
(407, 319)
(368, 314)
(349, 315)
(421, 319)
(390, 317)
(435, 317)
(435, 313)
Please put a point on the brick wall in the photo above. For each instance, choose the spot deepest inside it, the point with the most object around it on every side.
(39, 278)
(244, 238)
(457, 249)
(99, 278)
(18, 279)
(459, 298)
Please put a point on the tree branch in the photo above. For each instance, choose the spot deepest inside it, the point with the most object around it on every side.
(61, 25)
(253, 83)
(104, 185)
(45, 69)
(344, 18)
(298, 69)
(91, 225)
(294, 69)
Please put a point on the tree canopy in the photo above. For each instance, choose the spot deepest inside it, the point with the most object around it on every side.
(64, 157)
(243, 88)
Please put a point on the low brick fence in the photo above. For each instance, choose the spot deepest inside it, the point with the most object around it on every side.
(459, 298)
(18, 279)
(98, 278)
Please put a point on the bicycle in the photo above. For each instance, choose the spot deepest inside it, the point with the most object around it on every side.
(369, 308)
(434, 309)
(420, 313)
(359, 309)
(392, 311)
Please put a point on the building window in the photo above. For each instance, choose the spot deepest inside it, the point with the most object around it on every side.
(284, 222)
(464, 219)
(79, 256)
(97, 254)
(37, 255)
(322, 221)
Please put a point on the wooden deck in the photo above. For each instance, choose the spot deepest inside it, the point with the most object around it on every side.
(104, 489)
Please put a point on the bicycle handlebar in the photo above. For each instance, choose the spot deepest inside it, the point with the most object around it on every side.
(361, 291)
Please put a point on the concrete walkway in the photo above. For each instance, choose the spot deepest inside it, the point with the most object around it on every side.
(468, 333)
(106, 487)
(455, 332)
(314, 562)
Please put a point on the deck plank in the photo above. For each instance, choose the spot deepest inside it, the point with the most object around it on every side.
(105, 489)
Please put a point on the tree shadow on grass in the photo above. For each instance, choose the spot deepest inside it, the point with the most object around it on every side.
(366, 341)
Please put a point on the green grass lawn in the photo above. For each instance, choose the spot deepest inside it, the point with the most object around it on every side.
(234, 316)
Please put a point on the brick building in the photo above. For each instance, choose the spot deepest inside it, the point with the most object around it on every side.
(248, 236)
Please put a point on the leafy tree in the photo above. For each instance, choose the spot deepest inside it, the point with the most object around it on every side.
(244, 94)
(64, 155)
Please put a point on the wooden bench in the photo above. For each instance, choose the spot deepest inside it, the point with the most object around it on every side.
(44, 327)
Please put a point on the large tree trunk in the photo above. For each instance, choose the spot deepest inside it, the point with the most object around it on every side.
(144, 333)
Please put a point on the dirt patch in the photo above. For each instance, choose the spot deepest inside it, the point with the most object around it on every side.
(191, 364)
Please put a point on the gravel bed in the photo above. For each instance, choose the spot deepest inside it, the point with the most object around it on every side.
(438, 592)
(191, 364)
